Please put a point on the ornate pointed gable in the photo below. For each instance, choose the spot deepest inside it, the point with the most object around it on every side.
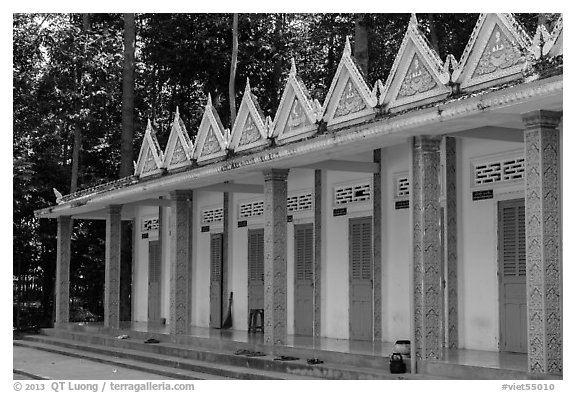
(297, 113)
(349, 99)
(250, 130)
(494, 54)
(179, 147)
(212, 139)
(554, 47)
(418, 75)
(150, 157)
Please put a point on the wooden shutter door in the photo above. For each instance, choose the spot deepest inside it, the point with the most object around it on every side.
(154, 273)
(361, 297)
(512, 275)
(216, 297)
(303, 279)
(255, 269)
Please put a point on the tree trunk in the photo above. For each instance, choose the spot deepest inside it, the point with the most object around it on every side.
(77, 146)
(126, 166)
(433, 33)
(361, 43)
(127, 146)
(233, 63)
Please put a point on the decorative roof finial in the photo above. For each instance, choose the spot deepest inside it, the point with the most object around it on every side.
(247, 89)
(149, 126)
(347, 48)
(413, 20)
(177, 114)
(293, 67)
(209, 103)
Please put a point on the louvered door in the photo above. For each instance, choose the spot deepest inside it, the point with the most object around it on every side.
(255, 269)
(216, 278)
(303, 279)
(512, 275)
(361, 298)
(154, 273)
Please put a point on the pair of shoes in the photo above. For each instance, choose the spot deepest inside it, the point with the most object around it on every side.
(286, 358)
(123, 337)
(314, 361)
(151, 341)
(241, 352)
(256, 353)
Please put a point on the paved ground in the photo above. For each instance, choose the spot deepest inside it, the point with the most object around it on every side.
(55, 366)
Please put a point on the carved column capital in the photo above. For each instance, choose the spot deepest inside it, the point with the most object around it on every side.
(541, 119)
(274, 174)
(427, 143)
(114, 209)
(181, 195)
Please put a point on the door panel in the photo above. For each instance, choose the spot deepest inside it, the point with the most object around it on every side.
(512, 275)
(154, 272)
(255, 269)
(216, 296)
(303, 279)
(361, 296)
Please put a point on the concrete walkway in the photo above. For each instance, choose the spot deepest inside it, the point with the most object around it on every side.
(46, 365)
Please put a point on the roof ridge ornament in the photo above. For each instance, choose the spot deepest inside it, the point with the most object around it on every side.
(349, 100)
(151, 157)
(495, 52)
(553, 47)
(211, 139)
(418, 75)
(249, 130)
(292, 67)
(296, 115)
(179, 147)
(347, 47)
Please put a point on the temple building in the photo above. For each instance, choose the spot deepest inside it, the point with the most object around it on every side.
(423, 207)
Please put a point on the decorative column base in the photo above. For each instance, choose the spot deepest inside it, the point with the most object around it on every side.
(275, 232)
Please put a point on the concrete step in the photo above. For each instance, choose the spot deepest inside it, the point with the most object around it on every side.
(166, 366)
(66, 363)
(136, 349)
(461, 371)
(230, 346)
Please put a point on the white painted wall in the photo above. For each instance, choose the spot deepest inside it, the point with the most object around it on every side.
(396, 250)
(201, 257)
(335, 284)
(478, 306)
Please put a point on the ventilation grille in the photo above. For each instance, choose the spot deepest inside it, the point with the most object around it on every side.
(499, 171)
(402, 187)
(212, 215)
(300, 202)
(150, 224)
(251, 209)
(352, 194)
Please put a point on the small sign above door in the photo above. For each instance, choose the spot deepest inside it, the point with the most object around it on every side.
(339, 212)
(242, 224)
(484, 194)
(205, 228)
(402, 204)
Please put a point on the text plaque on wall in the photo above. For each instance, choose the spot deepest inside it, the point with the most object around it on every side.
(481, 195)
